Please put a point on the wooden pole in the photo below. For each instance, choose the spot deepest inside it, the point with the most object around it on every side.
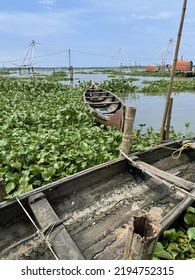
(2, 190)
(168, 123)
(142, 236)
(128, 130)
(70, 67)
(33, 72)
(163, 128)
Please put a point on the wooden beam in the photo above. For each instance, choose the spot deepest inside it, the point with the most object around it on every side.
(103, 103)
(98, 97)
(158, 173)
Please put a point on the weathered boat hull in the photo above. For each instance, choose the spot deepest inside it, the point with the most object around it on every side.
(94, 207)
(107, 108)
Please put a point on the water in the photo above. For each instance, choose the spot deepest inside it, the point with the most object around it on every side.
(150, 109)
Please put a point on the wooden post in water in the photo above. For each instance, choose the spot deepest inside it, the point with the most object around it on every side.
(128, 129)
(168, 121)
(33, 72)
(70, 67)
(163, 127)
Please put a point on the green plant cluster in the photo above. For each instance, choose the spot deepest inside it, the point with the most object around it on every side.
(178, 243)
(57, 76)
(47, 133)
(119, 86)
(161, 86)
(4, 72)
(116, 86)
(144, 73)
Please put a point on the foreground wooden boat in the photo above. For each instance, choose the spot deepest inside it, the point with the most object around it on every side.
(107, 107)
(85, 216)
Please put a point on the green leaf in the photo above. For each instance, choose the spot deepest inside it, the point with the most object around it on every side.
(35, 169)
(3, 170)
(159, 248)
(191, 209)
(59, 165)
(24, 181)
(174, 249)
(16, 165)
(189, 219)
(191, 233)
(3, 143)
(84, 146)
(161, 253)
(170, 234)
(10, 187)
(37, 183)
(48, 173)
(9, 176)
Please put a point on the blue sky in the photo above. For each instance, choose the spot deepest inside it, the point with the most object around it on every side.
(97, 32)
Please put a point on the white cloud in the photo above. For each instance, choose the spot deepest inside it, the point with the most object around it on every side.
(47, 2)
(50, 4)
(158, 16)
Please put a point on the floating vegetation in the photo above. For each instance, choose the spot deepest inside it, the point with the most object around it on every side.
(161, 86)
(48, 133)
(178, 243)
(57, 76)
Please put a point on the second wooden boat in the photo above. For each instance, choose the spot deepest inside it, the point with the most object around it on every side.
(107, 108)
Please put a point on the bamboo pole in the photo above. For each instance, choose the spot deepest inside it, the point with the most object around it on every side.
(2, 190)
(163, 128)
(168, 122)
(128, 130)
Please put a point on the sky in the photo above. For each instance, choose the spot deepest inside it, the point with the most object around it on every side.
(94, 33)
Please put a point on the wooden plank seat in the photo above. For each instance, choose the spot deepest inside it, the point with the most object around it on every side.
(98, 96)
(103, 103)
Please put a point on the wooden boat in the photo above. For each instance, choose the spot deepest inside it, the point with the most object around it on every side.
(107, 107)
(85, 216)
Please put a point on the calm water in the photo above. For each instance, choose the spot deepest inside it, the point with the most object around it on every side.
(150, 109)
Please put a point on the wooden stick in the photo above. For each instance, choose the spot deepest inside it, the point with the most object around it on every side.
(128, 129)
(168, 119)
(163, 176)
(180, 182)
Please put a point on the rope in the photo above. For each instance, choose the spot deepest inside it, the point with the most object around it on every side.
(179, 151)
(41, 234)
(48, 228)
